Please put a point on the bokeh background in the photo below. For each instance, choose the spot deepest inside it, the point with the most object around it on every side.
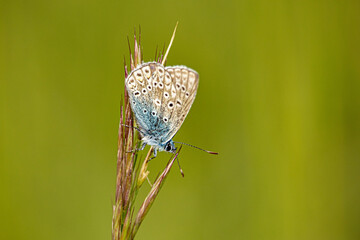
(278, 98)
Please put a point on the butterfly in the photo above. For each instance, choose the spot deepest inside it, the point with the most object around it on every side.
(160, 98)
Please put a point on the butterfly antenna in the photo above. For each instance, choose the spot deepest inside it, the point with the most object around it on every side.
(171, 41)
(215, 153)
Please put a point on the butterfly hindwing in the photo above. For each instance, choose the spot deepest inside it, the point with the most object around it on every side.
(185, 82)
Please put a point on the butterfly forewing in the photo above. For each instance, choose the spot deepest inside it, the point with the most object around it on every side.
(141, 85)
(161, 98)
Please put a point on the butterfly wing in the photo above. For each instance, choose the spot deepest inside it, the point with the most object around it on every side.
(184, 85)
(145, 86)
(161, 98)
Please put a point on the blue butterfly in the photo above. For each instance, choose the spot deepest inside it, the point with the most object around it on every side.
(160, 98)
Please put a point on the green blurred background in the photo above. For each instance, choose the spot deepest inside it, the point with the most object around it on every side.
(278, 98)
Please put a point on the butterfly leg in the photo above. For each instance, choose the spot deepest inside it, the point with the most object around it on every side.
(155, 153)
(143, 145)
(132, 127)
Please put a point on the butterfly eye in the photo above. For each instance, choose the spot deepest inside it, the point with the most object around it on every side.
(168, 147)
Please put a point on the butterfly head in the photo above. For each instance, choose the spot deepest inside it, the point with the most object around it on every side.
(169, 147)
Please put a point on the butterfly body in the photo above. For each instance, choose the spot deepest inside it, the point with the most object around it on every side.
(161, 98)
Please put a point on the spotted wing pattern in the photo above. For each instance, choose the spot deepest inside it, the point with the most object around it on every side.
(185, 83)
(161, 98)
